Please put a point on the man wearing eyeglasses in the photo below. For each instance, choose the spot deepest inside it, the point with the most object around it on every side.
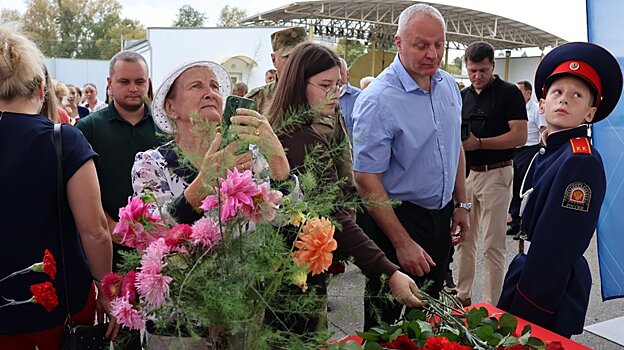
(406, 141)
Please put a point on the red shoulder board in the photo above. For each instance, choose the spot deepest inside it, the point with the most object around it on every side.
(580, 145)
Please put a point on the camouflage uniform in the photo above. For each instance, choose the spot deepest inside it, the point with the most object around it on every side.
(331, 128)
(263, 96)
(282, 42)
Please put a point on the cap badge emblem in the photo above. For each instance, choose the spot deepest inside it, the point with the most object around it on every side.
(574, 66)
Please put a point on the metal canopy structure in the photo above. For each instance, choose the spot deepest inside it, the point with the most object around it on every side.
(376, 22)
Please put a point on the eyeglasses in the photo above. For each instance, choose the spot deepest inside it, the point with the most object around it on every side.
(330, 90)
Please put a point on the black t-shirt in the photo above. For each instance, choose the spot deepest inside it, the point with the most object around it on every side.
(29, 221)
(489, 112)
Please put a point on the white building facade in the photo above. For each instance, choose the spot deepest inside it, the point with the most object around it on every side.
(244, 51)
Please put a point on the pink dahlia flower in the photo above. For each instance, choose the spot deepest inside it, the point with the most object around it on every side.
(266, 202)
(127, 315)
(153, 287)
(137, 226)
(206, 232)
(152, 259)
(236, 191)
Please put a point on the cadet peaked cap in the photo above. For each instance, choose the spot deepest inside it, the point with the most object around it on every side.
(285, 40)
(590, 62)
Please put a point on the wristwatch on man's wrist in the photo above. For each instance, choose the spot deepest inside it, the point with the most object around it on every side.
(466, 206)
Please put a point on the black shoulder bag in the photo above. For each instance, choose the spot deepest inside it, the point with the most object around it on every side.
(75, 337)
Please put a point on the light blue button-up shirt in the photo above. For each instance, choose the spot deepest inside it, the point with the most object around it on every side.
(409, 135)
(347, 101)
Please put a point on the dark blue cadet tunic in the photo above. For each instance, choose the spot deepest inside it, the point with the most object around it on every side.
(29, 219)
(550, 285)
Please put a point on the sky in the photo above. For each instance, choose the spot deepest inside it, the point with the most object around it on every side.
(564, 18)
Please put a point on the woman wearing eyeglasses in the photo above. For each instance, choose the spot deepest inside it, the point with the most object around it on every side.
(310, 89)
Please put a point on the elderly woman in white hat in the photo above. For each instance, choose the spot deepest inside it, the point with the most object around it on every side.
(188, 105)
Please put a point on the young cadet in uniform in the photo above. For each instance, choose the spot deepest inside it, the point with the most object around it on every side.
(549, 282)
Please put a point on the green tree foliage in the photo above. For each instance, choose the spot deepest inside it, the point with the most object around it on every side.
(10, 16)
(354, 49)
(455, 66)
(38, 23)
(79, 28)
(109, 43)
(188, 17)
(457, 61)
(230, 16)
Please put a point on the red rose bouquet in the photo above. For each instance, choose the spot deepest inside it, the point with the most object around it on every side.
(443, 325)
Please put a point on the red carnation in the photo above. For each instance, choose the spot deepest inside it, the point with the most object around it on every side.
(403, 342)
(49, 264)
(45, 295)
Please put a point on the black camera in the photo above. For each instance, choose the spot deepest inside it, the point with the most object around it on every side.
(465, 129)
(474, 122)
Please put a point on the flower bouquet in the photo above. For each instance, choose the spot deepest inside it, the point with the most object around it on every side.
(216, 278)
(443, 325)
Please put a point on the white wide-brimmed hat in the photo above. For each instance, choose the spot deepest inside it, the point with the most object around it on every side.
(161, 119)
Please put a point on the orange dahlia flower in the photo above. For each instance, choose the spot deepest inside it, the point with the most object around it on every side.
(316, 244)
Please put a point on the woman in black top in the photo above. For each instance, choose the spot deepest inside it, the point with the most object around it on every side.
(29, 211)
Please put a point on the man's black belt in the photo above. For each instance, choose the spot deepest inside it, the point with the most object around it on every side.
(491, 166)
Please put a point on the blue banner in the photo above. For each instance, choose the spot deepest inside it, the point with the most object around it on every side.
(605, 28)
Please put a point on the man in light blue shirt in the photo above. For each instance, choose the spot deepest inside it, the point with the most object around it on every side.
(348, 95)
(406, 141)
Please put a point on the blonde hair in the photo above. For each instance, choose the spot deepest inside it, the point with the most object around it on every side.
(21, 66)
(49, 108)
(60, 89)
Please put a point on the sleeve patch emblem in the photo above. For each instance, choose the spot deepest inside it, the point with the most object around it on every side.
(580, 145)
(577, 197)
